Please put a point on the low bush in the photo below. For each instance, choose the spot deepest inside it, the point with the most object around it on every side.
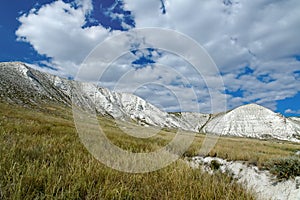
(284, 168)
(215, 165)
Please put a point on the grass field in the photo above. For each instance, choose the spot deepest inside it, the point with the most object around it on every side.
(42, 158)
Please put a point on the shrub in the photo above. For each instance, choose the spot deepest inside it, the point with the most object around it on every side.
(285, 168)
(215, 165)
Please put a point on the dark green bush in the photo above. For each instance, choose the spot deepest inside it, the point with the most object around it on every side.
(285, 168)
(215, 165)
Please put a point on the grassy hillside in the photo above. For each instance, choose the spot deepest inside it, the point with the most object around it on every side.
(42, 157)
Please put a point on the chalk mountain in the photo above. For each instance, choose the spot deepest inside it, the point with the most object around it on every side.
(25, 86)
(254, 121)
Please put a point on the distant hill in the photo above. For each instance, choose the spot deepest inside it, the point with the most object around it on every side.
(20, 84)
(254, 121)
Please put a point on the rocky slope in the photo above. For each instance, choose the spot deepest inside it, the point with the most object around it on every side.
(254, 121)
(23, 85)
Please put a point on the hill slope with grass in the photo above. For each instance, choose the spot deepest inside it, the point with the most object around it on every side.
(23, 85)
(42, 156)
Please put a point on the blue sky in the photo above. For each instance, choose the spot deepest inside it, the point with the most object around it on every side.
(254, 44)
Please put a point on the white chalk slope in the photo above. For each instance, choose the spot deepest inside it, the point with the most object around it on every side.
(23, 85)
(254, 121)
(261, 182)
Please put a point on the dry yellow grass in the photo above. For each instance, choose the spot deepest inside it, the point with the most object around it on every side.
(42, 157)
(253, 151)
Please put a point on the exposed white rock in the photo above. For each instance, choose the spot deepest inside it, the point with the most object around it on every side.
(196, 120)
(295, 119)
(261, 182)
(26, 83)
(253, 121)
(294, 123)
(126, 106)
(21, 68)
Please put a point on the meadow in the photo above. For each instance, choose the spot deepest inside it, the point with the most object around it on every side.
(42, 157)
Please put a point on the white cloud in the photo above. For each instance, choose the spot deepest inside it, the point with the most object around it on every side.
(269, 29)
(259, 34)
(55, 30)
(290, 111)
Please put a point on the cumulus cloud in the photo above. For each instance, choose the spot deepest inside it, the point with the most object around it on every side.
(259, 34)
(254, 44)
(56, 30)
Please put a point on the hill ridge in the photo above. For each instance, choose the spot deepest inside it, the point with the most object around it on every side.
(23, 85)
